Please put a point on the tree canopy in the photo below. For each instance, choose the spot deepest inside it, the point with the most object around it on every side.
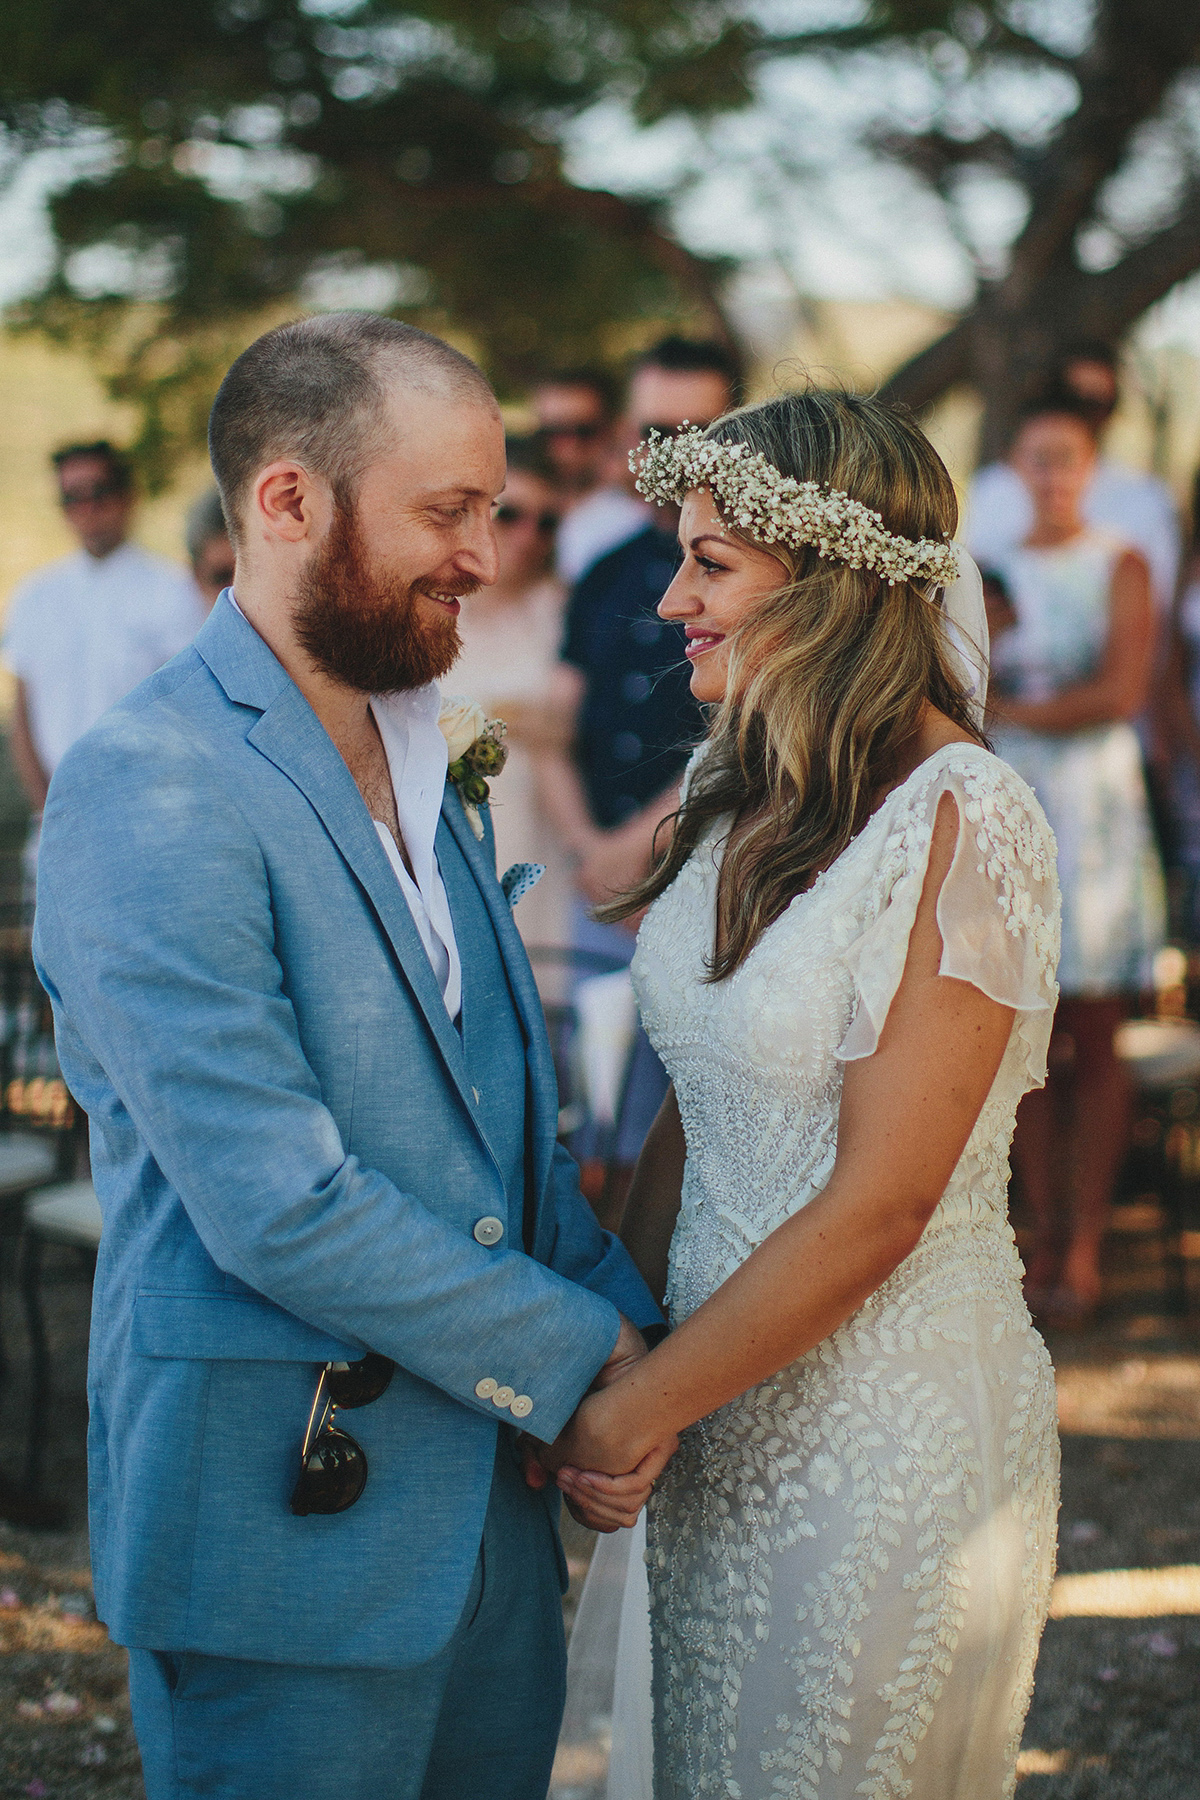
(240, 157)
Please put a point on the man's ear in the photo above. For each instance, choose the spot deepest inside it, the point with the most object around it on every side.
(288, 504)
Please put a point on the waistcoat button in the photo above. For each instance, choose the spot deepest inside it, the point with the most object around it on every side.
(488, 1231)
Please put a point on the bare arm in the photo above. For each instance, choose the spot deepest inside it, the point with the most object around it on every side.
(1174, 717)
(906, 1114)
(32, 776)
(1120, 685)
(618, 859)
(653, 1203)
(560, 790)
(609, 862)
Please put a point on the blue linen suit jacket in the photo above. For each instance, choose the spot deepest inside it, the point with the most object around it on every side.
(290, 1160)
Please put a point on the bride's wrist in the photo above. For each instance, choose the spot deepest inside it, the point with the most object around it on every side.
(620, 1419)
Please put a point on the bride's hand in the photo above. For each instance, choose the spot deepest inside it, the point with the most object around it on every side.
(610, 1502)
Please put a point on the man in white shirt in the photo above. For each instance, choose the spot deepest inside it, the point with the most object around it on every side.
(1137, 505)
(576, 419)
(84, 631)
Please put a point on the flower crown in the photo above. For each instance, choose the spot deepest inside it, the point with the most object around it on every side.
(774, 508)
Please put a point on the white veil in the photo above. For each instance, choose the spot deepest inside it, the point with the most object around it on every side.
(967, 630)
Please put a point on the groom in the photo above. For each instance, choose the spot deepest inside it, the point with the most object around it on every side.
(290, 997)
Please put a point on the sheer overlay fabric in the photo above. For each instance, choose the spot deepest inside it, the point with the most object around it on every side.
(850, 1566)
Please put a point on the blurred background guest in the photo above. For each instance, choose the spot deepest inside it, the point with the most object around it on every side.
(1138, 506)
(209, 549)
(623, 685)
(576, 413)
(510, 636)
(86, 629)
(1074, 672)
(1178, 721)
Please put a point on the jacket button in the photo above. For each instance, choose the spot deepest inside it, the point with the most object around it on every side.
(521, 1406)
(488, 1231)
(486, 1388)
(503, 1396)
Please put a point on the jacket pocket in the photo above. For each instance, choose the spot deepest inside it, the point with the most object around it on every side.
(209, 1327)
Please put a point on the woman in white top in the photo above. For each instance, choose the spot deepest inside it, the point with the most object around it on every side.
(1068, 681)
(847, 967)
(510, 641)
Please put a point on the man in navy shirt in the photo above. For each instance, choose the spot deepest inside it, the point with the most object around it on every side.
(636, 717)
(624, 680)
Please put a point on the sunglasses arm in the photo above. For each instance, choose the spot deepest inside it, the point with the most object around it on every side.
(311, 1434)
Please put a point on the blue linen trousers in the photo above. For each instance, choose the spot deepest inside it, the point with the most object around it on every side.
(479, 1721)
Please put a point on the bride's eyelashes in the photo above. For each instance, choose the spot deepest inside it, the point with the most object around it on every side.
(710, 566)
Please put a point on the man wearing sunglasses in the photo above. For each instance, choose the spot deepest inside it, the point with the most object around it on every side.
(577, 414)
(291, 998)
(85, 630)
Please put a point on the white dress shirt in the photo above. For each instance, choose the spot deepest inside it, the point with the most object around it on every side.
(417, 760)
(603, 521)
(84, 631)
(416, 753)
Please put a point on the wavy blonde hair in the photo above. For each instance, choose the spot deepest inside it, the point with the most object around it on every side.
(827, 677)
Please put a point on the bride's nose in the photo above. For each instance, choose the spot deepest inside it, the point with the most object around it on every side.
(677, 602)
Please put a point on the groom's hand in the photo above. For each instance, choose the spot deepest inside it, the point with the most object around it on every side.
(629, 1348)
(609, 1502)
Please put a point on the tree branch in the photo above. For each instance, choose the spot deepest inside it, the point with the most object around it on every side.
(926, 376)
(1150, 270)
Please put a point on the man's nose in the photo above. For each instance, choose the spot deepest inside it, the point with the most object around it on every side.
(481, 557)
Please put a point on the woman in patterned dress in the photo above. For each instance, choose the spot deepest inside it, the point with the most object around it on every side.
(848, 969)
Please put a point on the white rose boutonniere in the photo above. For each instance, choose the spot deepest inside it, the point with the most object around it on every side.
(475, 749)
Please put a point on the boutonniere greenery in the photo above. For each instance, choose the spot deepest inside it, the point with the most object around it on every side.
(476, 751)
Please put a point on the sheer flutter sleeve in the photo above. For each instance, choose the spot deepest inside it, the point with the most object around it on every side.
(998, 909)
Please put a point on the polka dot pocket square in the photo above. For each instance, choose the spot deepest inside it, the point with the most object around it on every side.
(519, 878)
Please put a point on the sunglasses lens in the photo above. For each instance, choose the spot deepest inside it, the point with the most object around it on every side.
(358, 1383)
(333, 1476)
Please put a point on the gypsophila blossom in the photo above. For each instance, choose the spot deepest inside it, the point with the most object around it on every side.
(773, 508)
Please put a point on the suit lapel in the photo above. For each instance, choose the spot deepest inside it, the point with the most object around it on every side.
(290, 735)
(543, 1081)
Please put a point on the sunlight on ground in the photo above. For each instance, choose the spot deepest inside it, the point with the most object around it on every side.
(1127, 1593)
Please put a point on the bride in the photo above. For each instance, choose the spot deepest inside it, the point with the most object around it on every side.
(848, 969)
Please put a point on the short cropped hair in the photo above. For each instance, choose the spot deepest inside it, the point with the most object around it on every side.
(528, 454)
(600, 382)
(693, 356)
(120, 469)
(205, 521)
(1092, 350)
(314, 389)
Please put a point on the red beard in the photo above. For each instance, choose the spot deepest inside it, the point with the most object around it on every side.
(363, 629)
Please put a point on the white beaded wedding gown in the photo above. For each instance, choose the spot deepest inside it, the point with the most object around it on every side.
(850, 1565)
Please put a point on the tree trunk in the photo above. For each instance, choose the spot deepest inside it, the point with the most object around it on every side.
(1006, 345)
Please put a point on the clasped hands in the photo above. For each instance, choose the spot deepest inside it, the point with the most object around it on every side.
(605, 1476)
